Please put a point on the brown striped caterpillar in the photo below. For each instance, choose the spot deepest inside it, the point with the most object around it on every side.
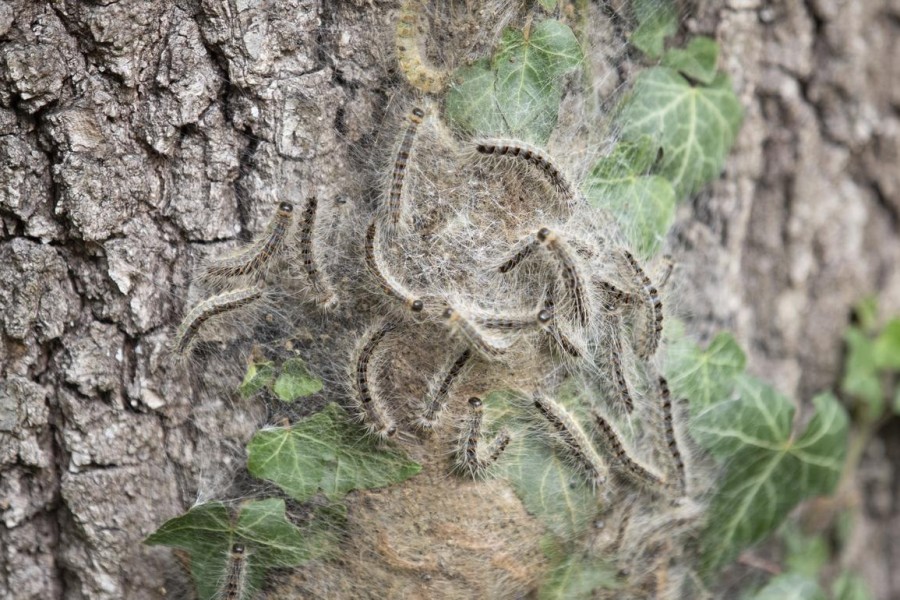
(614, 297)
(574, 438)
(371, 409)
(388, 284)
(569, 274)
(401, 161)
(532, 155)
(515, 322)
(669, 430)
(437, 400)
(251, 260)
(235, 584)
(649, 341)
(622, 460)
(307, 250)
(470, 461)
(616, 367)
(419, 74)
(526, 247)
(472, 334)
(561, 339)
(209, 308)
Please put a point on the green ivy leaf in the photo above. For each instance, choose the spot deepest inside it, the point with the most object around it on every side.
(548, 5)
(578, 577)
(295, 381)
(769, 470)
(887, 347)
(644, 205)
(791, 586)
(694, 126)
(518, 92)
(471, 103)
(656, 21)
(861, 379)
(208, 531)
(705, 377)
(697, 61)
(850, 587)
(327, 453)
(805, 554)
(258, 376)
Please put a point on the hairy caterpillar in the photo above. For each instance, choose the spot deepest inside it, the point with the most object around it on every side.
(526, 247)
(401, 161)
(234, 587)
(251, 259)
(469, 459)
(461, 326)
(622, 459)
(515, 322)
(669, 429)
(371, 408)
(307, 250)
(209, 308)
(650, 339)
(391, 287)
(438, 396)
(532, 155)
(570, 273)
(574, 437)
(617, 369)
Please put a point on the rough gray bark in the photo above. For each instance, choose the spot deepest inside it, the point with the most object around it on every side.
(137, 136)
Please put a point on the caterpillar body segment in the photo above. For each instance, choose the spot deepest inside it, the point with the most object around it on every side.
(525, 249)
(622, 461)
(473, 335)
(649, 341)
(209, 308)
(614, 298)
(420, 74)
(574, 438)
(471, 460)
(386, 282)
(439, 393)
(617, 370)
(395, 210)
(570, 273)
(252, 259)
(669, 430)
(515, 322)
(371, 408)
(502, 147)
(236, 581)
(564, 342)
(307, 251)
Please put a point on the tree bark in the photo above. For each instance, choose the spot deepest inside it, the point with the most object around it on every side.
(138, 136)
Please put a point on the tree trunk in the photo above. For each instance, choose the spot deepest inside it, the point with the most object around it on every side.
(138, 136)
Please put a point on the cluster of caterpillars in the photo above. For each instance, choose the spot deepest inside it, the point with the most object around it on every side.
(582, 317)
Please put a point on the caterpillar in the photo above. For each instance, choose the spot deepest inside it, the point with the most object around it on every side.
(371, 408)
(472, 334)
(398, 175)
(623, 460)
(615, 297)
(391, 287)
(419, 74)
(526, 247)
(307, 251)
(618, 372)
(574, 438)
(570, 273)
(515, 322)
(209, 308)
(438, 396)
(234, 587)
(532, 155)
(650, 340)
(469, 459)
(669, 430)
(251, 259)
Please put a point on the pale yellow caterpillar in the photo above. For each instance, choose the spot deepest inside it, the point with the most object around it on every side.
(420, 74)
(208, 309)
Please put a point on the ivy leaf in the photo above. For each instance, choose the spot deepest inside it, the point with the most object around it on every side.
(694, 126)
(705, 377)
(295, 381)
(644, 205)
(208, 531)
(258, 376)
(861, 380)
(471, 103)
(548, 5)
(327, 453)
(578, 577)
(791, 586)
(656, 21)
(850, 587)
(518, 92)
(697, 61)
(887, 347)
(528, 77)
(805, 554)
(769, 470)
